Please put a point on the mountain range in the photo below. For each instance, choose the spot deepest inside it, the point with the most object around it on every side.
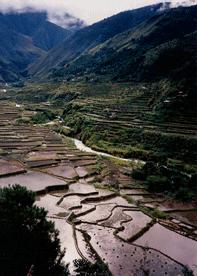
(162, 47)
(145, 44)
(156, 48)
(25, 37)
(91, 36)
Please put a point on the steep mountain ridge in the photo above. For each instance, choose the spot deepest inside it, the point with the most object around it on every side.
(89, 37)
(133, 55)
(36, 25)
(24, 38)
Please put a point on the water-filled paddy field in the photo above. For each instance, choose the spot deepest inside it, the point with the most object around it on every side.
(100, 218)
(171, 244)
(61, 178)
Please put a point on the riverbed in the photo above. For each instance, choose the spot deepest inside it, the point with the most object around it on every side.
(80, 145)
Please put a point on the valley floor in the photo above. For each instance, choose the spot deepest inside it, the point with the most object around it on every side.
(100, 211)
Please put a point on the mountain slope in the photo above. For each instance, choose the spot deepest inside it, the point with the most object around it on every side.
(159, 45)
(25, 37)
(91, 36)
(18, 50)
(36, 25)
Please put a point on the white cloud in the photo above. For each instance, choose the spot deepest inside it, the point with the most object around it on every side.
(183, 3)
(65, 20)
(88, 10)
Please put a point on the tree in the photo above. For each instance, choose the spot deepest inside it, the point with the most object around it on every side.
(86, 268)
(187, 272)
(26, 237)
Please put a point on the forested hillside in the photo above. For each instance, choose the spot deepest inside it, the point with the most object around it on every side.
(89, 37)
(25, 37)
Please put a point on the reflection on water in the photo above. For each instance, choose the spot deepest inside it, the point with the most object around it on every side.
(139, 220)
(103, 211)
(187, 217)
(178, 247)
(62, 170)
(116, 218)
(35, 181)
(49, 203)
(84, 247)
(81, 188)
(125, 259)
(67, 241)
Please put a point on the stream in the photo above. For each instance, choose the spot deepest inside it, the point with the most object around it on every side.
(79, 144)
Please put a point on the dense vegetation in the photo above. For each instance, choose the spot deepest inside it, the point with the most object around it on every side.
(145, 52)
(27, 238)
(133, 96)
(85, 268)
(171, 181)
(26, 36)
(89, 37)
(153, 69)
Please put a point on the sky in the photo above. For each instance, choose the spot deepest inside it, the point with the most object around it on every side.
(90, 11)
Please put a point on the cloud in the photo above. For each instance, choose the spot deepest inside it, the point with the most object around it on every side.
(88, 10)
(164, 7)
(55, 15)
(65, 20)
(187, 3)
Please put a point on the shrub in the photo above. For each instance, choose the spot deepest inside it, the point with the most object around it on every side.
(157, 183)
(184, 194)
(147, 169)
(139, 174)
(27, 238)
(43, 116)
(98, 167)
(24, 120)
(193, 182)
(85, 268)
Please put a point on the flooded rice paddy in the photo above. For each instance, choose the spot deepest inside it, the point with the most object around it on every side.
(33, 180)
(124, 258)
(62, 170)
(138, 221)
(67, 241)
(9, 168)
(189, 217)
(101, 218)
(171, 244)
(117, 217)
(104, 216)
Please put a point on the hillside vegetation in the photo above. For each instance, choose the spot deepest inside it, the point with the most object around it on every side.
(133, 96)
(89, 37)
(25, 37)
(138, 90)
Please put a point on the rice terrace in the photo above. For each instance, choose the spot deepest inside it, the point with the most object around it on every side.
(105, 138)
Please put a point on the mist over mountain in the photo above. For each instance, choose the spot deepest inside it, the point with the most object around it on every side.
(33, 46)
(154, 48)
(91, 36)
